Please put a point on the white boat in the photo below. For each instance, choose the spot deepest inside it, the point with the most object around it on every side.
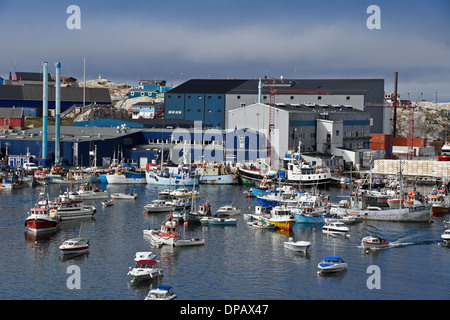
(372, 241)
(124, 196)
(334, 226)
(159, 206)
(161, 293)
(184, 192)
(213, 221)
(146, 269)
(446, 237)
(42, 219)
(281, 216)
(154, 177)
(204, 210)
(126, 178)
(68, 209)
(88, 192)
(188, 242)
(167, 234)
(261, 224)
(301, 246)
(143, 255)
(227, 210)
(75, 246)
(108, 203)
(299, 172)
(331, 264)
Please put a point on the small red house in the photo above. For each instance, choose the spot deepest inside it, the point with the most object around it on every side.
(12, 118)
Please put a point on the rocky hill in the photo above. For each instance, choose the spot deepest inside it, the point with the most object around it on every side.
(431, 121)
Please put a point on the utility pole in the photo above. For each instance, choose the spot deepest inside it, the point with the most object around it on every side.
(395, 105)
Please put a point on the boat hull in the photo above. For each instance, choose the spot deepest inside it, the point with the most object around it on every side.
(121, 179)
(152, 178)
(86, 212)
(219, 179)
(41, 225)
(284, 225)
(410, 214)
(299, 246)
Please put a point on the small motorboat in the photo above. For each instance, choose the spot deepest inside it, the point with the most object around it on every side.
(334, 226)
(188, 242)
(301, 246)
(372, 241)
(146, 269)
(108, 203)
(159, 205)
(167, 234)
(261, 224)
(331, 264)
(212, 221)
(75, 246)
(161, 293)
(227, 210)
(124, 196)
(446, 237)
(184, 192)
(143, 255)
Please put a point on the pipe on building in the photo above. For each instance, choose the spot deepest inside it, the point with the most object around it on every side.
(44, 109)
(57, 111)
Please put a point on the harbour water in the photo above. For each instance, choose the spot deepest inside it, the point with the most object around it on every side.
(236, 262)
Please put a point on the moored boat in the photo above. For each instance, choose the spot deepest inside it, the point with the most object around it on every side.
(68, 209)
(334, 226)
(281, 217)
(159, 205)
(161, 293)
(227, 210)
(168, 232)
(146, 270)
(212, 221)
(42, 219)
(331, 264)
(74, 246)
(301, 246)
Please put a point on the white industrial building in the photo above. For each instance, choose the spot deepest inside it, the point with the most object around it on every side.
(330, 133)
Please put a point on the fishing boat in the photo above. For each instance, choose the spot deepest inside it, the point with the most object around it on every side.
(330, 264)
(445, 152)
(213, 221)
(179, 204)
(74, 246)
(41, 176)
(154, 176)
(68, 209)
(264, 186)
(42, 219)
(126, 177)
(373, 241)
(439, 200)
(215, 174)
(227, 210)
(204, 210)
(161, 293)
(334, 226)
(146, 270)
(281, 217)
(168, 232)
(261, 212)
(253, 172)
(301, 246)
(159, 205)
(311, 213)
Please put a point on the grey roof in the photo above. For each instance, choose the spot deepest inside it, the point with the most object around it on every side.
(35, 76)
(285, 86)
(34, 92)
(11, 113)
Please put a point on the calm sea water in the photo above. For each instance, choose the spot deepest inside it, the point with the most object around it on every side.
(236, 262)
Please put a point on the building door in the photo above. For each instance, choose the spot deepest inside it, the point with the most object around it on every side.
(143, 162)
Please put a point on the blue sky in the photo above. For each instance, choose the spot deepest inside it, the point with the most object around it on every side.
(125, 41)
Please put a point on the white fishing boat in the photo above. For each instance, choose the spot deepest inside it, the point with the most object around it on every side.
(184, 192)
(373, 241)
(334, 226)
(183, 179)
(146, 269)
(68, 209)
(167, 234)
(74, 246)
(159, 205)
(281, 217)
(161, 293)
(331, 264)
(301, 246)
(227, 210)
(126, 177)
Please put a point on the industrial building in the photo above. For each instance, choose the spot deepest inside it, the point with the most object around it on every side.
(210, 100)
(321, 130)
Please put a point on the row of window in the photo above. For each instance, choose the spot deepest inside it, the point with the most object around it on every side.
(194, 142)
(189, 110)
(198, 97)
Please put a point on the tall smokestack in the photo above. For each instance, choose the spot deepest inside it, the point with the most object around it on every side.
(259, 91)
(395, 105)
(57, 111)
(44, 109)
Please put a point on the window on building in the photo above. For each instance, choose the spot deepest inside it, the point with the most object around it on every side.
(319, 98)
(348, 97)
(337, 133)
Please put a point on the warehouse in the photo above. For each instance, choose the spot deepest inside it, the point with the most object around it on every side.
(210, 100)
